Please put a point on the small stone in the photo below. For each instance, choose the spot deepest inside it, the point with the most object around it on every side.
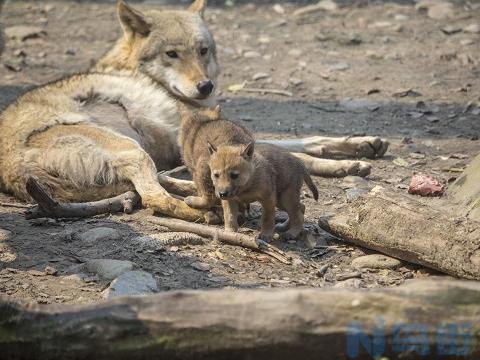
(70, 52)
(401, 17)
(441, 10)
(50, 270)
(375, 261)
(200, 266)
(381, 24)
(5, 234)
(354, 194)
(450, 29)
(466, 42)
(24, 32)
(347, 284)
(279, 9)
(251, 54)
(295, 52)
(100, 234)
(260, 76)
(131, 283)
(473, 28)
(295, 81)
(340, 66)
(108, 269)
(350, 182)
(374, 55)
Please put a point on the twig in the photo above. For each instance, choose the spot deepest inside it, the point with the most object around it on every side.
(225, 236)
(15, 205)
(268, 91)
(48, 207)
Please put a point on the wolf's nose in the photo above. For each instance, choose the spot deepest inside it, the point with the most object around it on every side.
(223, 194)
(205, 87)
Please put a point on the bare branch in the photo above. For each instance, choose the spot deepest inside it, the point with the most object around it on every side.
(48, 207)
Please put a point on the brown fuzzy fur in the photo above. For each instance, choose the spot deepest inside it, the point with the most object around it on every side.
(265, 173)
(197, 131)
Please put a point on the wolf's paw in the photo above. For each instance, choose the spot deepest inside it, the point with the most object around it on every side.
(266, 236)
(371, 147)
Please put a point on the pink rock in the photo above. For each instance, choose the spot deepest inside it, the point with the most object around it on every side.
(425, 185)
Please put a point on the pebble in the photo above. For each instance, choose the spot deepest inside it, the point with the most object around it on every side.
(251, 54)
(260, 76)
(24, 32)
(108, 269)
(49, 270)
(131, 283)
(347, 284)
(375, 261)
(200, 266)
(354, 194)
(100, 234)
(295, 81)
(5, 234)
(340, 66)
(279, 9)
(473, 28)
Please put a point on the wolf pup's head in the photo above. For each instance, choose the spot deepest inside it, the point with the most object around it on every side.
(173, 47)
(231, 168)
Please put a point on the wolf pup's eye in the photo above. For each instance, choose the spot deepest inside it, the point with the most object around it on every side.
(172, 54)
(203, 51)
(234, 175)
(217, 175)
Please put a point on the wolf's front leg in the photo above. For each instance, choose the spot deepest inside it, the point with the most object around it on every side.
(230, 214)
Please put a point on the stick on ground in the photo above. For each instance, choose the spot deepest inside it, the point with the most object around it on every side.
(48, 207)
(225, 236)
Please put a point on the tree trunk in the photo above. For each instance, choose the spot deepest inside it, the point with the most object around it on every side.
(405, 228)
(252, 324)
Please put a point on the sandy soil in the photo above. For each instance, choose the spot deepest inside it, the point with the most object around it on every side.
(347, 72)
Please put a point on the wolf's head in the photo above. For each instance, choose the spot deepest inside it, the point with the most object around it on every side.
(172, 47)
(231, 168)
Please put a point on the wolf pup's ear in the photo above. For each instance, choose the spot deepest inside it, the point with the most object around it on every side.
(248, 152)
(133, 21)
(211, 148)
(198, 6)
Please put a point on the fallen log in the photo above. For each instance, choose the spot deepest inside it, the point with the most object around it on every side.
(405, 228)
(431, 318)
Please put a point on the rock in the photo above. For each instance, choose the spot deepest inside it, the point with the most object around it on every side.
(108, 269)
(279, 9)
(436, 9)
(160, 240)
(49, 270)
(340, 66)
(295, 52)
(295, 81)
(251, 54)
(354, 194)
(323, 5)
(350, 283)
(96, 235)
(350, 182)
(375, 261)
(131, 283)
(450, 29)
(5, 234)
(24, 32)
(473, 28)
(200, 266)
(260, 76)
(401, 17)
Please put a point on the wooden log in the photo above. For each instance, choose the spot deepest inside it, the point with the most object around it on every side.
(465, 191)
(403, 227)
(250, 324)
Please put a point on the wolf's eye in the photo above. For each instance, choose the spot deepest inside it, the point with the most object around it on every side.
(234, 175)
(203, 51)
(172, 54)
(217, 175)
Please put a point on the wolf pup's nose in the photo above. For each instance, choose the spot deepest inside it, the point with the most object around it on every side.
(223, 194)
(205, 87)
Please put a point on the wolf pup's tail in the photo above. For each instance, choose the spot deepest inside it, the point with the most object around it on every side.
(311, 185)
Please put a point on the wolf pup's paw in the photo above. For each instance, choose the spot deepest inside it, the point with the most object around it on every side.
(266, 237)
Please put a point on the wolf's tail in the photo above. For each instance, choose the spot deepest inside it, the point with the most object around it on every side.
(311, 185)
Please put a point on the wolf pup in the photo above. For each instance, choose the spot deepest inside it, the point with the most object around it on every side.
(242, 174)
(197, 131)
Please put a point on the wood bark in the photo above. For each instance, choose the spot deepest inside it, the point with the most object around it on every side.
(240, 324)
(405, 228)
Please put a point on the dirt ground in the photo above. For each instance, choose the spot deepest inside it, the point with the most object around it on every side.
(379, 69)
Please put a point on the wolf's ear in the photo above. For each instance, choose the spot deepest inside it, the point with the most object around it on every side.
(133, 21)
(211, 148)
(247, 153)
(198, 6)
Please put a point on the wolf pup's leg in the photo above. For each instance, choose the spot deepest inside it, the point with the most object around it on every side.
(268, 218)
(290, 201)
(206, 198)
(230, 213)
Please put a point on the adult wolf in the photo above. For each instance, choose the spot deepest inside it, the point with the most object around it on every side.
(95, 135)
